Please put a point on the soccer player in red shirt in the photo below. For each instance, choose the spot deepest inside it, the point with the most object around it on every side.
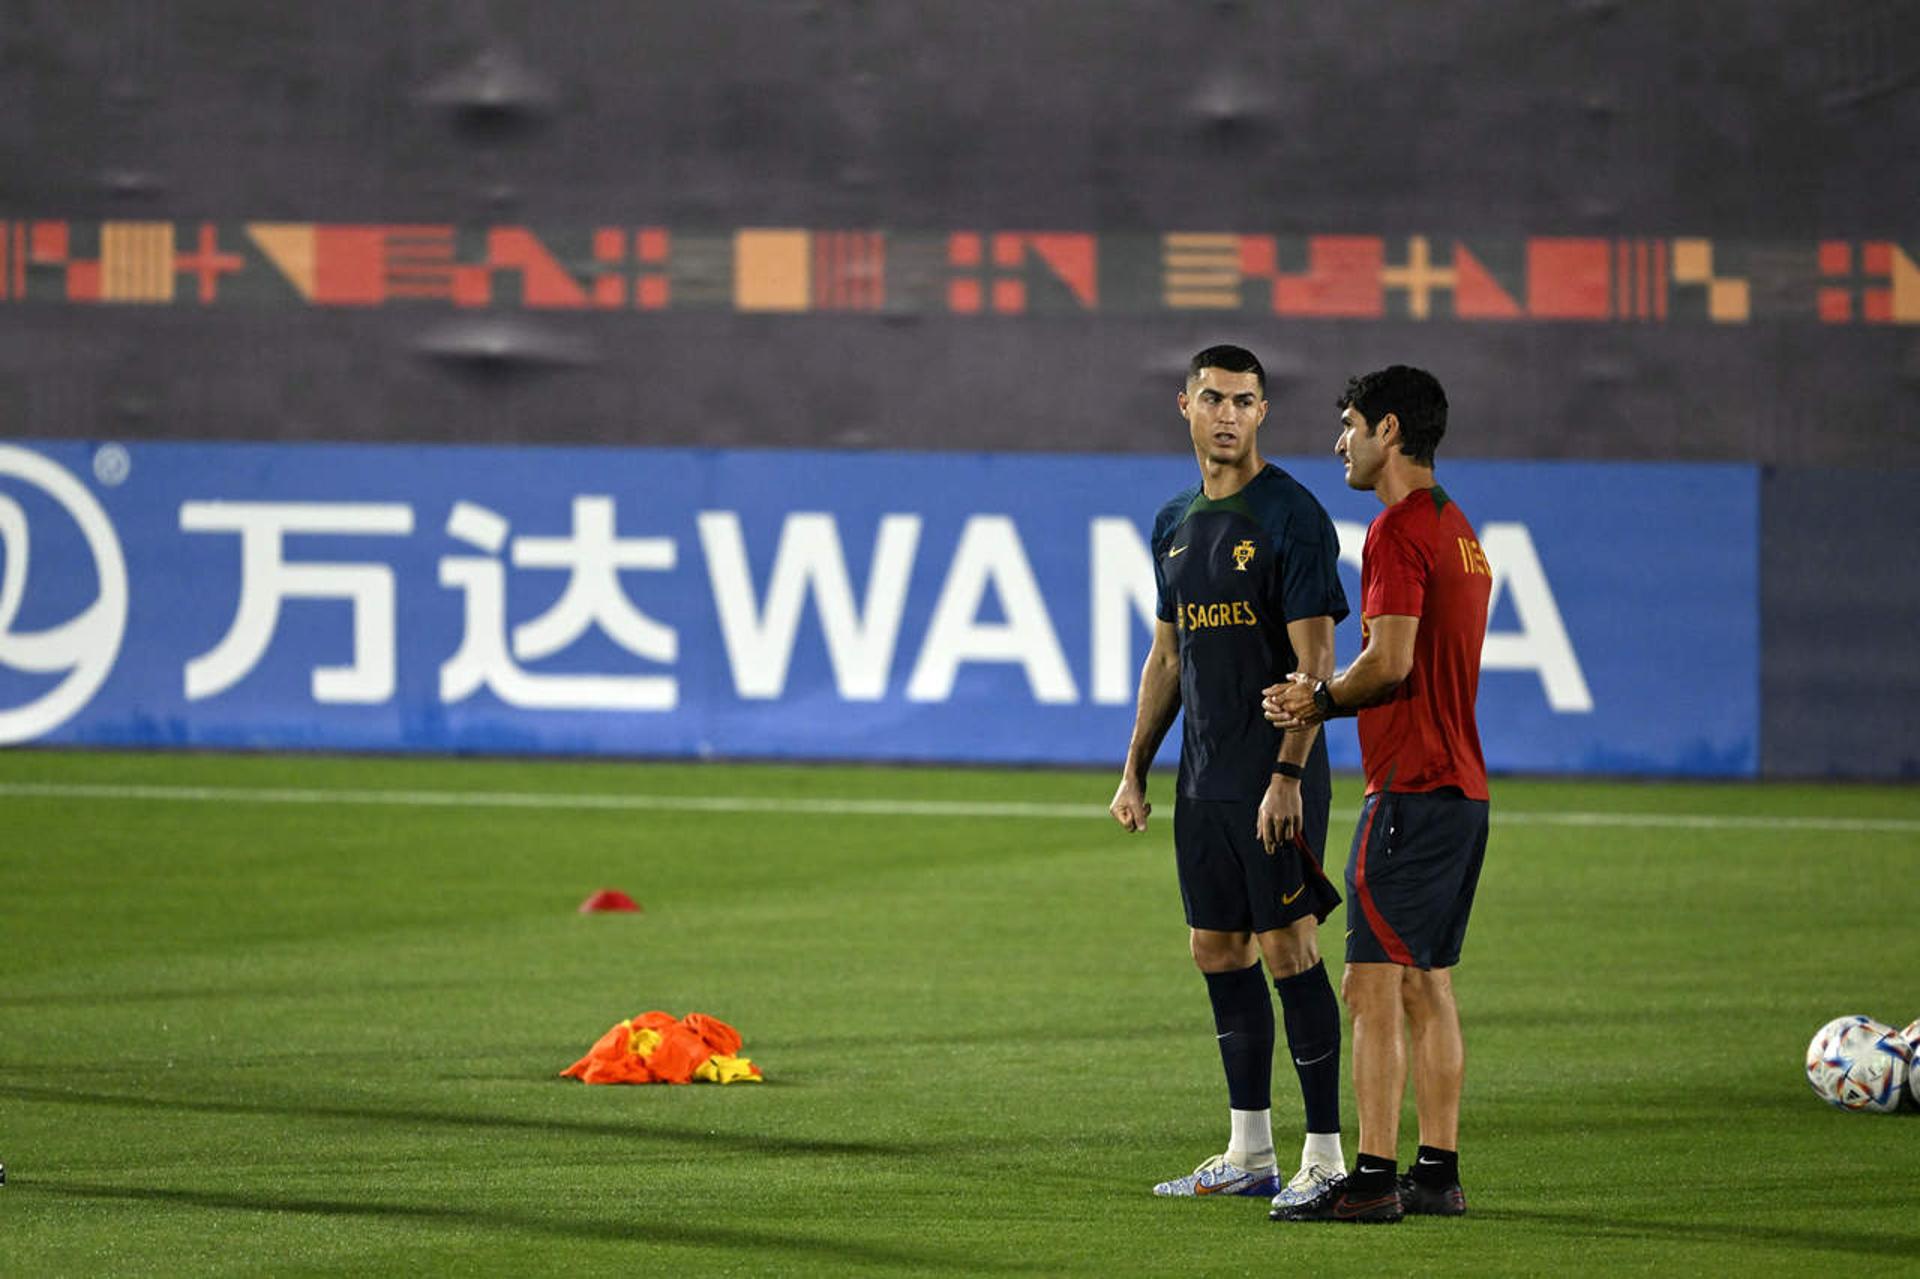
(1422, 833)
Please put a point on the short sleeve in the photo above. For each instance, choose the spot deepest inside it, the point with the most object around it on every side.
(1310, 568)
(1164, 606)
(1398, 568)
(1164, 523)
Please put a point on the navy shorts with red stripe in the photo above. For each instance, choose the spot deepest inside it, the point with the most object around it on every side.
(1231, 884)
(1411, 876)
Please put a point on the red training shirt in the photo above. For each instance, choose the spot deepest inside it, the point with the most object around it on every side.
(1422, 560)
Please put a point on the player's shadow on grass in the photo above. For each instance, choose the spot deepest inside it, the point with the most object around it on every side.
(630, 1227)
(1598, 1226)
(640, 1129)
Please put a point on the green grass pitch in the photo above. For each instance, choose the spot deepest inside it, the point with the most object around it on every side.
(240, 1036)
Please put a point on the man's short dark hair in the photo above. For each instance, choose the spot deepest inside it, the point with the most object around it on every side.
(1232, 359)
(1411, 395)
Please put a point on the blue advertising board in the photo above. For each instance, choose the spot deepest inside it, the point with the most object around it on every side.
(760, 603)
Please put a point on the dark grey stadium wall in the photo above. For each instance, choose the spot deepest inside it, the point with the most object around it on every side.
(1678, 230)
(1840, 619)
(1767, 133)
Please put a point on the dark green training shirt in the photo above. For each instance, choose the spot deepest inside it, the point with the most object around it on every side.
(1231, 574)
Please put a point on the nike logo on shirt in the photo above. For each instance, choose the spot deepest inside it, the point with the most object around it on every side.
(1177, 550)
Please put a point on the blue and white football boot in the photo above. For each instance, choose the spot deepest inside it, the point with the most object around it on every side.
(1217, 1176)
(1307, 1184)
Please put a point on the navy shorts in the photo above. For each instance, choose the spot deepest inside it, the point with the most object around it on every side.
(1413, 870)
(1228, 880)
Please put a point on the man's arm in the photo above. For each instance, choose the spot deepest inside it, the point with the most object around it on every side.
(1312, 639)
(1281, 811)
(1380, 669)
(1159, 702)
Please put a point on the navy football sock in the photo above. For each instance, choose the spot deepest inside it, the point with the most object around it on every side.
(1313, 1036)
(1243, 1018)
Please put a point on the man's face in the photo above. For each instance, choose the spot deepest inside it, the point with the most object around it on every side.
(1223, 410)
(1362, 447)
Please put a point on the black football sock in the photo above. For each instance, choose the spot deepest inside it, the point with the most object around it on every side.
(1313, 1036)
(1433, 1166)
(1372, 1175)
(1243, 1018)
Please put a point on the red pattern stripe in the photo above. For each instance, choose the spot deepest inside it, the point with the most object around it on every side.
(1383, 931)
(848, 270)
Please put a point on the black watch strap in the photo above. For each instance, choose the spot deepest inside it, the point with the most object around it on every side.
(1323, 700)
(1287, 768)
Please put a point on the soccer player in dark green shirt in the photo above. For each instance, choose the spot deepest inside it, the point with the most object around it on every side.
(1246, 565)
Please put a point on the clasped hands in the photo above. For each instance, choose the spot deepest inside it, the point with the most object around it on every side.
(1289, 705)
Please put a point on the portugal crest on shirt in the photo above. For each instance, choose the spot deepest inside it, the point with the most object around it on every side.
(1242, 555)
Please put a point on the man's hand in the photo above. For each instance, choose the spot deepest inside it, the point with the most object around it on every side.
(1281, 820)
(1290, 705)
(1130, 806)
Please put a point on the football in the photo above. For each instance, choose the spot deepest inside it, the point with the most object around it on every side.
(1857, 1063)
(1912, 1036)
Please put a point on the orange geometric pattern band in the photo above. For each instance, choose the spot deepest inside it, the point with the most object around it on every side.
(794, 270)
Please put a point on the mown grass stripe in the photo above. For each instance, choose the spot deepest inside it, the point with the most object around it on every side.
(846, 807)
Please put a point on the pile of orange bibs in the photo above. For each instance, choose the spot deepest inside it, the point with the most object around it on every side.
(657, 1048)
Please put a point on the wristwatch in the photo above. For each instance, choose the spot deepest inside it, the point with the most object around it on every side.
(1323, 700)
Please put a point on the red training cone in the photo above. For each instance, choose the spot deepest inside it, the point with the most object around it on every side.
(608, 899)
